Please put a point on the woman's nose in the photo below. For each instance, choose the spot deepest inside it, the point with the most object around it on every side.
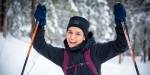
(72, 37)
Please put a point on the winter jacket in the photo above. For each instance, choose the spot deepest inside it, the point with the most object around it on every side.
(100, 52)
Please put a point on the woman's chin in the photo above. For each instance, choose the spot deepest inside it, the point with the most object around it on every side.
(71, 46)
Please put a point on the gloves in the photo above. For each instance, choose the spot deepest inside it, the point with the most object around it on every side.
(40, 15)
(119, 13)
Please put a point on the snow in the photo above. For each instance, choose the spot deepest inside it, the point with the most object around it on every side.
(12, 56)
(125, 68)
(73, 7)
(13, 53)
(103, 1)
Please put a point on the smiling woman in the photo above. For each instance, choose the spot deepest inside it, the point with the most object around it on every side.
(77, 31)
(81, 55)
(74, 36)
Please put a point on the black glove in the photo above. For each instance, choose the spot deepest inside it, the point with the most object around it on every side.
(119, 13)
(40, 15)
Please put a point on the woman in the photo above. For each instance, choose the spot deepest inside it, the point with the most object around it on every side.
(78, 41)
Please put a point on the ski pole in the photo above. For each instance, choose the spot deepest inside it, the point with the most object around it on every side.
(120, 14)
(30, 47)
(130, 48)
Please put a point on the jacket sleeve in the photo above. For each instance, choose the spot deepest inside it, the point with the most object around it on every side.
(105, 51)
(47, 50)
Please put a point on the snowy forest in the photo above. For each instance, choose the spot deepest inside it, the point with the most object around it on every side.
(17, 21)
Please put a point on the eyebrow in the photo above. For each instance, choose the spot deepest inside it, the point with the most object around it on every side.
(69, 30)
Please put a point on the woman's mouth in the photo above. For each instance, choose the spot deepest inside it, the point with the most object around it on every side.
(72, 44)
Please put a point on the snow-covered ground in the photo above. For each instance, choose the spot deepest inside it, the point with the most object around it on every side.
(13, 53)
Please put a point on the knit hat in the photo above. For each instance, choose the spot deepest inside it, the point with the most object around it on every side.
(80, 22)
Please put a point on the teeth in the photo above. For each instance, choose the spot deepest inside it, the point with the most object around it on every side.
(73, 42)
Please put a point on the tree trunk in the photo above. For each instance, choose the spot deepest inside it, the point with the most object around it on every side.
(1, 16)
(144, 57)
(144, 46)
(149, 54)
(4, 16)
(120, 59)
(32, 16)
(5, 26)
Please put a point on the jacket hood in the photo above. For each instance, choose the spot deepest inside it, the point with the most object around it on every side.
(83, 46)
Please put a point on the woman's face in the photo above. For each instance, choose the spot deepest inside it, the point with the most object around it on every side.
(74, 36)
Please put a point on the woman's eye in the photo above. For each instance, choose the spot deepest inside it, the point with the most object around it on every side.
(78, 34)
(69, 32)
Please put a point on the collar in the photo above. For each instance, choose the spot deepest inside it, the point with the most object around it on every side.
(76, 48)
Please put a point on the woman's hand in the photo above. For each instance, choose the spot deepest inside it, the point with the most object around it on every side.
(40, 15)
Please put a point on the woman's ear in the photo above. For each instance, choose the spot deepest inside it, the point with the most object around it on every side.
(84, 39)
